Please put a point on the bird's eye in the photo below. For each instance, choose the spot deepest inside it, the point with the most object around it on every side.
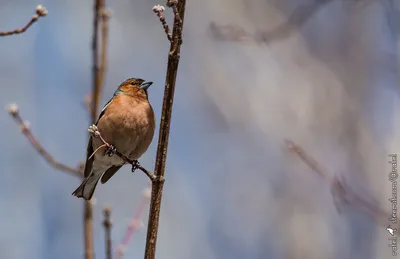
(133, 82)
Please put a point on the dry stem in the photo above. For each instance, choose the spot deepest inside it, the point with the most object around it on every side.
(161, 156)
(39, 12)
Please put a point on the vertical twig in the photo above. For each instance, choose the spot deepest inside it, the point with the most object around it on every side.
(99, 11)
(107, 226)
(161, 157)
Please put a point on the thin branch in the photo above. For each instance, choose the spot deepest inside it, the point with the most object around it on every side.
(13, 110)
(159, 9)
(135, 223)
(96, 88)
(111, 150)
(342, 193)
(107, 226)
(161, 156)
(40, 11)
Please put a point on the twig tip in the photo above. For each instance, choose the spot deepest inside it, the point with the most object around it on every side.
(41, 10)
(13, 109)
(158, 8)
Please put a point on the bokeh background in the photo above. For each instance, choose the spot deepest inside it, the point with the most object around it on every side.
(232, 190)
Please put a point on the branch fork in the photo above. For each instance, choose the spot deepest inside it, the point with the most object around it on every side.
(111, 150)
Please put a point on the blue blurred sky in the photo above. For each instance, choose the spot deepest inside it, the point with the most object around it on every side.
(232, 191)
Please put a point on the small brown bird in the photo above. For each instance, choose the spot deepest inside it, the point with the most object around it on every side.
(126, 122)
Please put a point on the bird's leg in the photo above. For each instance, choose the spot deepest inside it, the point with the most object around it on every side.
(111, 150)
(135, 165)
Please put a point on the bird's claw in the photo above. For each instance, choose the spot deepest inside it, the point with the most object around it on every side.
(135, 165)
(111, 150)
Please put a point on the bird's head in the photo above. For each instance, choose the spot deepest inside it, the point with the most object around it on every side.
(136, 87)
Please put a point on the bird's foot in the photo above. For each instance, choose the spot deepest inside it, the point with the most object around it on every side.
(111, 150)
(135, 165)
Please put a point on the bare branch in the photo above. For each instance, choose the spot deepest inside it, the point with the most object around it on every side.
(13, 110)
(41, 11)
(178, 7)
(107, 226)
(135, 222)
(159, 9)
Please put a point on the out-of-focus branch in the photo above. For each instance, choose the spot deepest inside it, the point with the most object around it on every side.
(342, 193)
(178, 7)
(296, 20)
(13, 110)
(40, 11)
(107, 226)
(105, 16)
(100, 14)
(134, 224)
(310, 161)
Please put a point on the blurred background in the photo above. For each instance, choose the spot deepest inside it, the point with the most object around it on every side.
(232, 190)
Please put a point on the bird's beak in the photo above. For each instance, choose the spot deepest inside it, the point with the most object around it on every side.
(146, 85)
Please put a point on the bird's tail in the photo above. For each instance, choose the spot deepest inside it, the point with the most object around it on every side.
(88, 186)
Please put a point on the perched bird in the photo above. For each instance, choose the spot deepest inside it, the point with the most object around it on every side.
(127, 123)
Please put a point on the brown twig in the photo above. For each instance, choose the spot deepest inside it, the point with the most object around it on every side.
(13, 110)
(39, 12)
(341, 191)
(159, 9)
(161, 156)
(107, 226)
(135, 222)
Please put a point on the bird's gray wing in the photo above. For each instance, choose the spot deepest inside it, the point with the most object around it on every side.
(109, 173)
(89, 162)
(89, 150)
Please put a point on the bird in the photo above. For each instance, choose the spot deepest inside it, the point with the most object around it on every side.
(127, 123)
